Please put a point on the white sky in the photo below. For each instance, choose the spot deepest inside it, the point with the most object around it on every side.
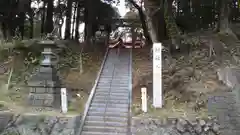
(121, 8)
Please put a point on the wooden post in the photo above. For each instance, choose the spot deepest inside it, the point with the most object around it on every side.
(144, 99)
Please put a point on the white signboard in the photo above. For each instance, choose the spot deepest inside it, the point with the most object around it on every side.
(64, 100)
(157, 75)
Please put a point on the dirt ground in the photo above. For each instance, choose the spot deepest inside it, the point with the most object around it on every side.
(142, 76)
(78, 85)
(187, 79)
(81, 85)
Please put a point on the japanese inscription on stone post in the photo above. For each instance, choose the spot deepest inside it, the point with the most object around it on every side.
(157, 75)
(64, 100)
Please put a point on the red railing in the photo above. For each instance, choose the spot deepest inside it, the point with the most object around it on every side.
(119, 42)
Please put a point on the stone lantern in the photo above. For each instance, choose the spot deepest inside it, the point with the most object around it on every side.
(45, 85)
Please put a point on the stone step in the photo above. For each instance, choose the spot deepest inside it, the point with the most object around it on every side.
(112, 91)
(109, 109)
(113, 114)
(110, 101)
(101, 133)
(106, 123)
(114, 82)
(115, 71)
(116, 97)
(112, 79)
(109, 104)
(125, 94)
(126, 85)
(101, 98)
(106, 118)
(113, 88)
(115, 77)
(108, 113)
(101, 128)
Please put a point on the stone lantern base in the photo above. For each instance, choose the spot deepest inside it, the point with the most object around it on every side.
(45, 89)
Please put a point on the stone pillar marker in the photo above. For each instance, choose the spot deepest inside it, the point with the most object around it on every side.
(157, 75)
(64, 101)
(45, 85)
(144, 99)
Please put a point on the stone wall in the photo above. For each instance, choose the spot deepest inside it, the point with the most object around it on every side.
(32, 124)
(175, 126)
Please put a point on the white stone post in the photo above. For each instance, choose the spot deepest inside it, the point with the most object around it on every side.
(64, 103)
(157, 75)
(144, 99)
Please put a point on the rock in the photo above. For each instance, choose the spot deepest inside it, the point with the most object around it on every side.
(5, 118)
(165, 131)
(198, 128)
(229, 76)
(186, 133)
(194, 122)
(190, 128)
(202, 122)
(216, 127)
(211, 133)
(209, 123)
(206, 128)
(173, 121)
(39, 125)
(2, 69)
(181, 126)
(182, 121)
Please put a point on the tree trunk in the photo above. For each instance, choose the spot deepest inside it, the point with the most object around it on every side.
(49, 21)
(153, 32)
(68, 19)
(74, 19)
(4, 30)
(89, 32)
(30, 20)
(144, 26)
(11, 26)
(21, 26)
(1, 34)
(142, 18)
(159, 25)
(77, 21)
(155, 21)
(31, 26)
(224, 14)
(89, 21)
(60, 19)
(43, 18)
(224, 25)
(172, 28)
